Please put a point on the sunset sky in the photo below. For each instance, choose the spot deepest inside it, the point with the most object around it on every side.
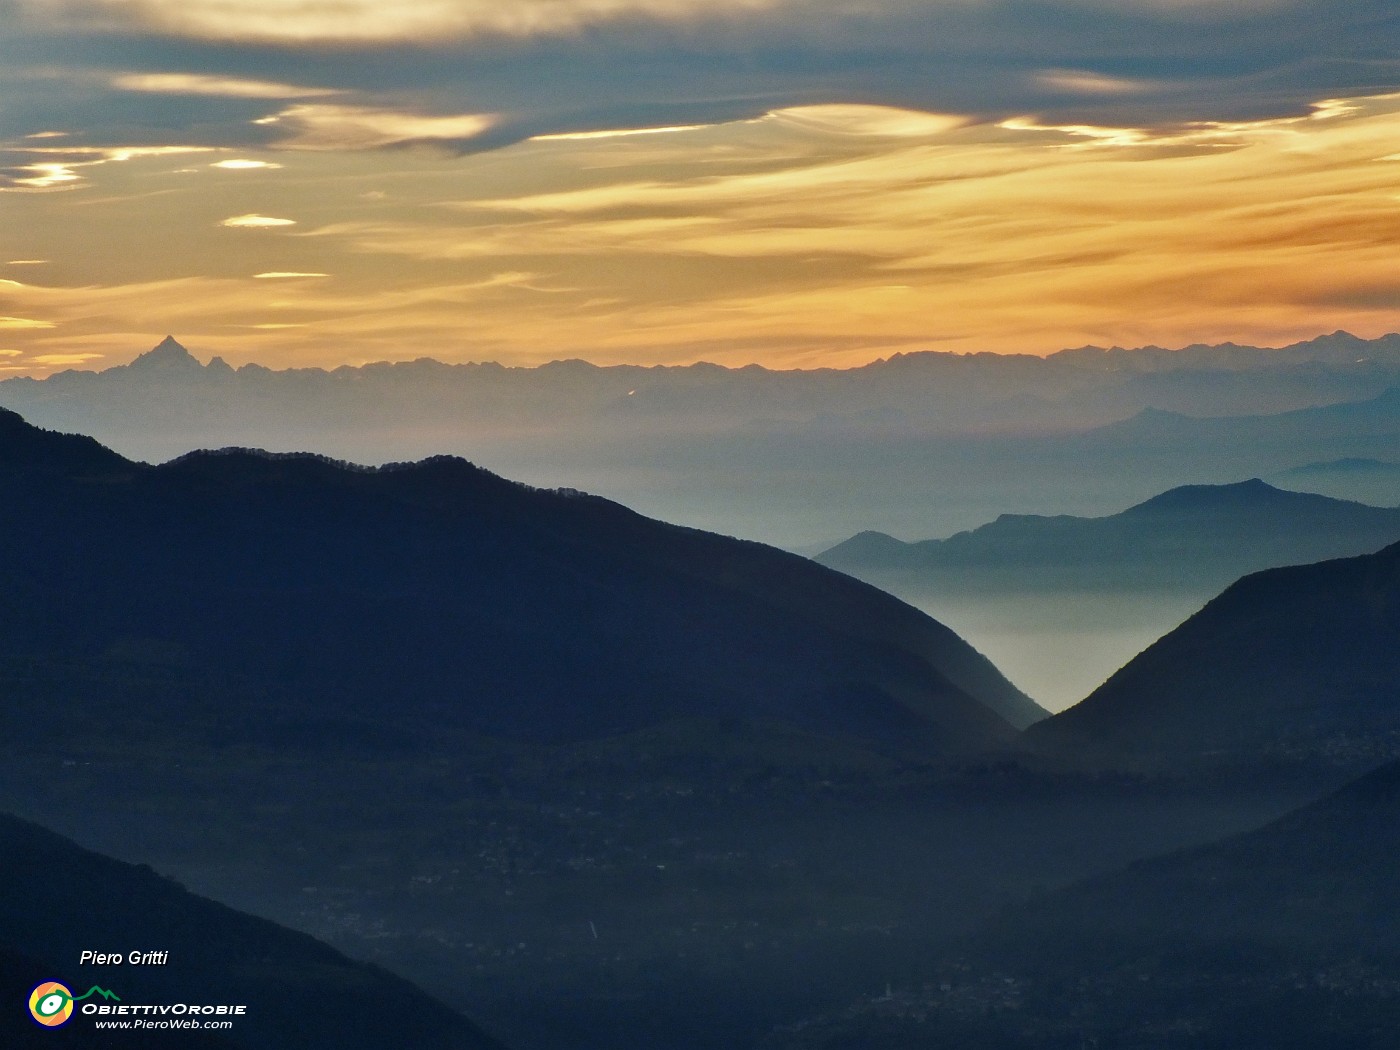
(788, 182)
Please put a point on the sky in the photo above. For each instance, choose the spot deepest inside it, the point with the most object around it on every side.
(795, 183)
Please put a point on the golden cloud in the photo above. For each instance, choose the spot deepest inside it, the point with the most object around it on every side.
(869, 120)
(52, 360)
(62, 172)
(200, 84)
(46, 176)
(314, 21)
(1083, 82)
(579, 136)
(1000, 234)
(256, 222)
(327, 127)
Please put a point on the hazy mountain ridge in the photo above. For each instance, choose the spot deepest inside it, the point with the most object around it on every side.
(1189, 537)
(1311, 422)
(929, 391)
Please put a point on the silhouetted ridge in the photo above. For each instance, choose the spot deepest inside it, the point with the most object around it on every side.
(237, 451)
(477, 602)
(25, 449)
(1214, 497)
(1193, 535)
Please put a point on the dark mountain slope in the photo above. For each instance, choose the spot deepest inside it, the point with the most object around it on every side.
(1285, 938)
(1299, 662)
(57, 900)
(26, 452)
(438, 593)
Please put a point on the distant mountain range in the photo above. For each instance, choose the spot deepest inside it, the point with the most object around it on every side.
(1285, 938)
(57, 900)
(932, 392)
(930, 441)
(1298, 663)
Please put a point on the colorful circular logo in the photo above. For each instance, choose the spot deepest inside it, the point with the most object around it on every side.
(51, 1004)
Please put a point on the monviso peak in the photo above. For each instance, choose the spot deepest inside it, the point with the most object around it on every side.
(167, 354)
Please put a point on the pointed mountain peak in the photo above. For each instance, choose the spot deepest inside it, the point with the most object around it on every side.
(168, 353)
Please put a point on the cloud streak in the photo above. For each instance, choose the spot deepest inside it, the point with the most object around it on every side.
(254, 221)
(221, 87)
(339, 21)
(328, 127)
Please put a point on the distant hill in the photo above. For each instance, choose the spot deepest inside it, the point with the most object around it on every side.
(1196, 537)
(57, 900)
(374, 602)
(1285, 938)
(1288, 664)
